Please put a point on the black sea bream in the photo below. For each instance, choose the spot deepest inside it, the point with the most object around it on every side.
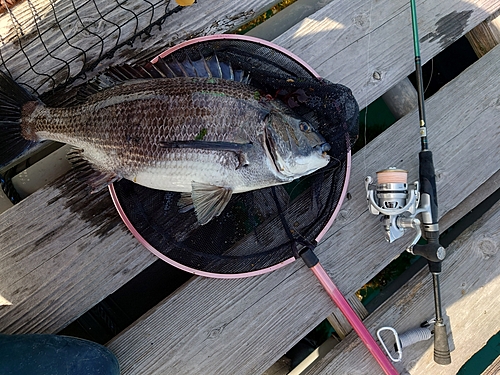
(209, 137)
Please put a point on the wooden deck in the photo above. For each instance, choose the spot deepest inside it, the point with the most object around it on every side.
(471, 285)
(62, 250)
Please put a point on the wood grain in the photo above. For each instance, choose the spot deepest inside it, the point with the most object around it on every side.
(469, 287)
(63, 250)
(368, 46)
(44, 42)
(486, 35)
(251, 322)
(494, 368)
(345, 41)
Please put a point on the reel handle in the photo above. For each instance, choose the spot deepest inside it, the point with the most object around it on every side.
(433, 252)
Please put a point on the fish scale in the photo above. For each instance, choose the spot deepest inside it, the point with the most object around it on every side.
(135, 124)
(208, 137)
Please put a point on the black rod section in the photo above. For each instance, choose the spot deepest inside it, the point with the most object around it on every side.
(433, 251)
(419, 75)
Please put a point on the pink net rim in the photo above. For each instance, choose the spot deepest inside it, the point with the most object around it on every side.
(194, 271)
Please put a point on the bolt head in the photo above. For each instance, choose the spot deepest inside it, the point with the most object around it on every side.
(441, 253)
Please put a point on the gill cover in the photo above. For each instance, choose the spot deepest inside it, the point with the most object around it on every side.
(296, 148)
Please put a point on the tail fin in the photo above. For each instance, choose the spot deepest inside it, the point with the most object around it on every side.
(12, 99)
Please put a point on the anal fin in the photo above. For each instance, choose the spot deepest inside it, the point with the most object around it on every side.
(92, 175)
(209, 201)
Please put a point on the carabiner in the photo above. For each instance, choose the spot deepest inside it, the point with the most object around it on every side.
(399, 350)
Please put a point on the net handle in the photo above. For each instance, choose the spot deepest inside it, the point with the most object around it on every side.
(353, 319)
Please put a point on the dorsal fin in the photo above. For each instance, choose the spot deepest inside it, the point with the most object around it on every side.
(204, 66)
(112, 76)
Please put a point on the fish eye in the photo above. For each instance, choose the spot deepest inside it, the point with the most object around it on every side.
(305, 127)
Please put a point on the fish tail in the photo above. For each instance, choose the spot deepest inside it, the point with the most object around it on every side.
(12, 99)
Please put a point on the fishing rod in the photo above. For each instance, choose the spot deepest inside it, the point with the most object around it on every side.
(400, 203)
(432, 251)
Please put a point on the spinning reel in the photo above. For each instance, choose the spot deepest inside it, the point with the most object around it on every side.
(399, 203)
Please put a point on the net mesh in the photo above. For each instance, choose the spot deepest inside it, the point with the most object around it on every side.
(250, 233)
(46, 44)
(49, 43)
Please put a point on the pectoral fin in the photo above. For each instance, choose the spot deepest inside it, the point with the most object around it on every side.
(208, 145)
(209, 201)
(240, 149)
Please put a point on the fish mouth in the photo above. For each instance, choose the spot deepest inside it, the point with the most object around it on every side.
(323, 150)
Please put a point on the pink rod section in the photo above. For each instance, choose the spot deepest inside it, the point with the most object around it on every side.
(353, 319)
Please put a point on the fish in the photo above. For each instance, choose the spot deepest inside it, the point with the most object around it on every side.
(205, 137)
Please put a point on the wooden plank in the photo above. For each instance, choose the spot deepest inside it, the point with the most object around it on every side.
(356, 33)
(72, 242)
(5, 203)
(494, 368)
(368, 45)
(62, 251)
(251, 322)
(401, 99)
(319, 352)
(287, 18)
(469, 288)
(486, 35)
(483, 192)
(45, 37)
(282, 367)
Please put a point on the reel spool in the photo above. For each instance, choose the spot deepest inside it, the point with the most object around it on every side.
(392, 197)
(399, 203)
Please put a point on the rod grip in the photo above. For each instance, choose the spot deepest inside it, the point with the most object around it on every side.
(441, 348)
(427, 177)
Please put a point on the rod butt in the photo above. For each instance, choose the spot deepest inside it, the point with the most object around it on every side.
(441, 348)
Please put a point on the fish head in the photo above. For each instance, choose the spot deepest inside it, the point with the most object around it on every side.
(295, 148)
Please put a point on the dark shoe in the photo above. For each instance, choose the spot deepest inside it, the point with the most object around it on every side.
(54, 355)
